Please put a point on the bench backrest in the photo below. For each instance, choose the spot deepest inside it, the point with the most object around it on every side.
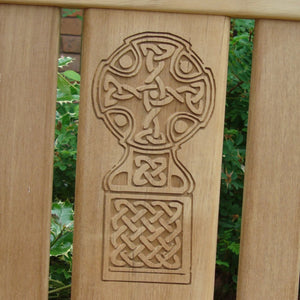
(149, 148)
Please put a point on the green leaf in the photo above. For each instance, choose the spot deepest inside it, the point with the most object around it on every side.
(222, 263)
(62, 167)
(63, 212)
(67, 12)
(234, 247)
(72, 75)
(64, 61)
(62, 245)
(63, 86)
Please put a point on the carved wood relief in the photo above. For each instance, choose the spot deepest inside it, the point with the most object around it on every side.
(153, 93)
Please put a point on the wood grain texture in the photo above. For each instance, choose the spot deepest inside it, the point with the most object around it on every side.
(269, 259)
(28, 65)
(268, 9)
(105, 182)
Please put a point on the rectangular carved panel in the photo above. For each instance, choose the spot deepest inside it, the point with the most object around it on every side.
(148, 237)
(150, 141)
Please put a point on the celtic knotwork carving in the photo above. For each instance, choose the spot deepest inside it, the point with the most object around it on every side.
(146, 234)
(153, 72)
(153, 93)
(150, 170)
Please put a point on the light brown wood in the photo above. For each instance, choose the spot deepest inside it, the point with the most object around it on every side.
(28, 65)
(268, 9)
(269, 259)
(154, 181)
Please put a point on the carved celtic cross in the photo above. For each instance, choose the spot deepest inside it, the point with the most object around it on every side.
(153, 94)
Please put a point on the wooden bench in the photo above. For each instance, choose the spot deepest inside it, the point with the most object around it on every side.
(150, 148)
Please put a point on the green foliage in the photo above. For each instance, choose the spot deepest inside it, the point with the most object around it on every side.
(66, 128)
(235, 131)
(66, 12)
(239, 71)
(61, 241)
(65, 150)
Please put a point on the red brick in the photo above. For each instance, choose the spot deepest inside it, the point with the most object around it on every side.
(70, 26)
(70, 44)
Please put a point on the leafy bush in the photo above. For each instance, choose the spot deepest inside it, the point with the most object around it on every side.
(65, 150)
(61, 241)
(234, 147)
(66, 127)
(235, 131)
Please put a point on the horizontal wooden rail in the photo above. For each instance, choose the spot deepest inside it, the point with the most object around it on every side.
(267, 9)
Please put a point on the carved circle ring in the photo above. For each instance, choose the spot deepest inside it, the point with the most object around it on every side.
(154, 91)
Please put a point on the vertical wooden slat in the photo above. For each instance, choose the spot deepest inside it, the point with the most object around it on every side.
(28, 64)
(99, 272)
(269, 259)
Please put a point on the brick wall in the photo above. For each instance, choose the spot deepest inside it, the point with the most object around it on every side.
(70, 38)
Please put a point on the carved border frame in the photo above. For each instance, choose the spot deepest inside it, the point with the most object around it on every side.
(182, 275)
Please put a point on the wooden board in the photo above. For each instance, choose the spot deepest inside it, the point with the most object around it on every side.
(28, 65)
(149, 155)
(253, 9)
(269, 259)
